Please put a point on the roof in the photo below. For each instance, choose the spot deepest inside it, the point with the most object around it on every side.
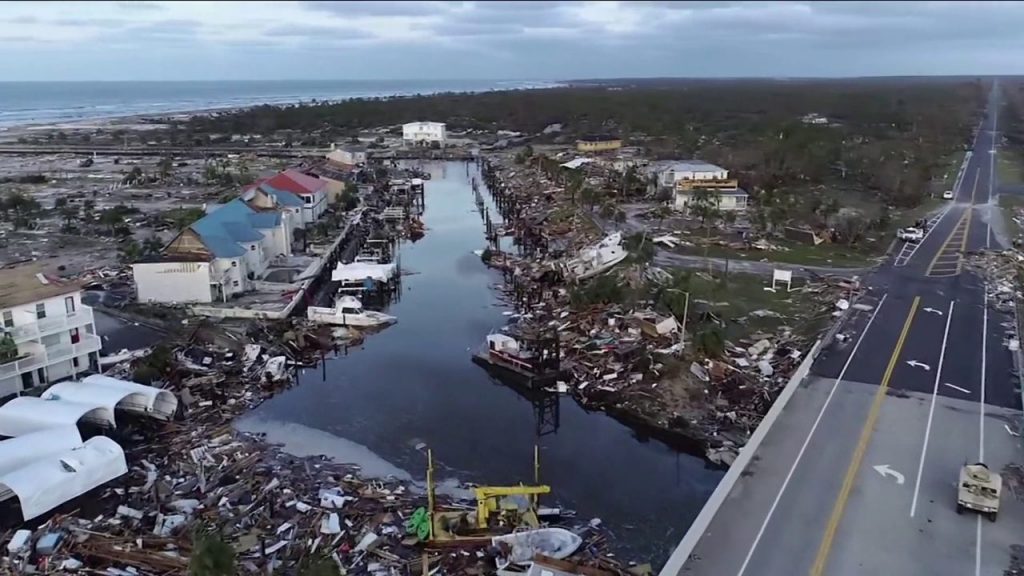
(26, 414)
(158, 403)
(21, 451)
(283, 198)
(694, 166)
(295, 182)
(116, 394)
(423, 123)
(22, 285)
(53, 480)
(717, 192)
(599, 138)
(232, 224)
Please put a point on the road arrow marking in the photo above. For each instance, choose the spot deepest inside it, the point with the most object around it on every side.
(884, 470)
(933, 310)
(965, 391)
(917, 364)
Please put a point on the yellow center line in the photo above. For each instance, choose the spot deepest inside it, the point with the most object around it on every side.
(818, 568)
(964, 221)
(949, 239)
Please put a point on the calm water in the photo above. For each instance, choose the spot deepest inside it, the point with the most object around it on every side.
(44, 102)
(414, 385)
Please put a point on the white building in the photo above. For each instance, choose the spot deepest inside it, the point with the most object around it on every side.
(348, 155)
(726, 199)
(684, 178)
(47, 333)
(678, 172)
(424, 132)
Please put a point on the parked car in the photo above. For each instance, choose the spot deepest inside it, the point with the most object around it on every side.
(910, 234)
(947, 195)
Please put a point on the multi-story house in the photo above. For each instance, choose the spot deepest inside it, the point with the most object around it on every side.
(46, 333)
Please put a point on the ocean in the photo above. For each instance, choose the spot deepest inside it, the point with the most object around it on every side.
(62, 102)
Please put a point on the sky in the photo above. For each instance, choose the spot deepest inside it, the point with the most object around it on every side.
(525, 40)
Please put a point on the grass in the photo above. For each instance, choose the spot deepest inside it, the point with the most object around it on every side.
(953, 161)
(1009, 168)
(826, 255)
(735, 297)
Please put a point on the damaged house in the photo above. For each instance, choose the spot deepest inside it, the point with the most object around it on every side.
(46, 333)
(220, 255)
(686, 177)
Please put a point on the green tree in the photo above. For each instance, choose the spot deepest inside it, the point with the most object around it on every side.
(164, 168)
(8, 348)
(710, 342)
(112, 219)
(88, 207)
(211, 556)
(184, 217)
(23, 209)
(152, 246)
(68, 215)
(641, 249)
(129, 251)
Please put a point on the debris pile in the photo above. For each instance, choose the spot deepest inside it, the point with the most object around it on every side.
(628, 355)
(279, 513)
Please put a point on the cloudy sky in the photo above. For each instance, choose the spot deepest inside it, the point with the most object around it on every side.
(504, 40)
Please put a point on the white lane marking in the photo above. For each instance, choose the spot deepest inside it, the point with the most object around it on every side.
(917, 364)
(977, 554)
(800, 454)
(933, 311)
(964, 390)
(885, 470)
(931, 414)
(984, 365)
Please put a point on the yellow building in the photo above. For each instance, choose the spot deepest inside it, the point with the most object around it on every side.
(599, 143)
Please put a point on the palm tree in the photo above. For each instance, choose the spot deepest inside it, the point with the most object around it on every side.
(68, 215)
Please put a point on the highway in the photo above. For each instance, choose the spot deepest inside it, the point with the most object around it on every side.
(858, 474)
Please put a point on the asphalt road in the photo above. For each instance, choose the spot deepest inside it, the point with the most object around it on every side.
(858, 475)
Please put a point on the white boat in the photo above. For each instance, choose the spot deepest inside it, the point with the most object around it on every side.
(123, 355)
(596, 259)
(557, 543)
(348, 311)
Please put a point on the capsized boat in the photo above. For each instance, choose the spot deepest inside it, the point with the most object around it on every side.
(596, 259)
(123, 355)
(557, 543)
(348, 311)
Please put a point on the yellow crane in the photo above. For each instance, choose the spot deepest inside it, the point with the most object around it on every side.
(494, 507)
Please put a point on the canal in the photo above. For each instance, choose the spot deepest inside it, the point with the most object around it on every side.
(413, 385)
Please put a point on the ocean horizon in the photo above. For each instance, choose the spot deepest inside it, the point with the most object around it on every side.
(60, 102)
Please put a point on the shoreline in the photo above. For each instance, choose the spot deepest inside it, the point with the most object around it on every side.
(106, 121)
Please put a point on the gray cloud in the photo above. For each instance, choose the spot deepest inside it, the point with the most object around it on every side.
(23, 20)
(556, 40)
(139, 5)
(392, 8)
(171, 30)
(316, 32)
(91, 22)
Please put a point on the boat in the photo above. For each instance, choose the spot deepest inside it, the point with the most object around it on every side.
(557, 543)
(123, 355)
(533, 361)
(348, 311)
(596, 259)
